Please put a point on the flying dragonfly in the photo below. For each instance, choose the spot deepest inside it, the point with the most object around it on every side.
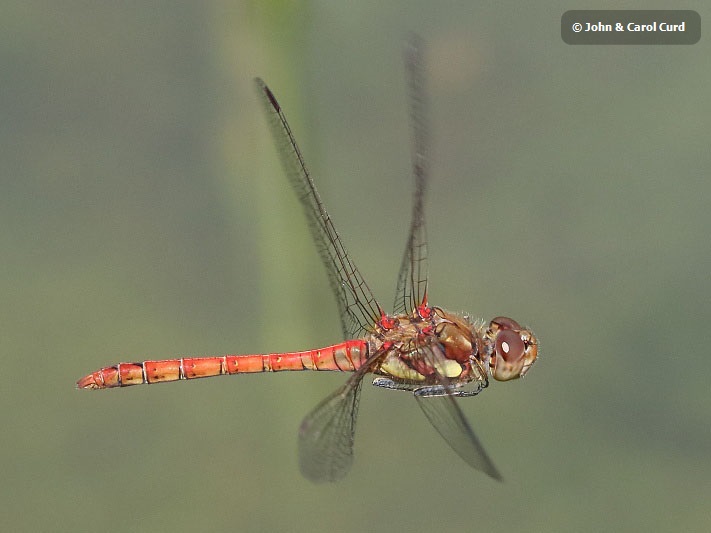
(435, 354)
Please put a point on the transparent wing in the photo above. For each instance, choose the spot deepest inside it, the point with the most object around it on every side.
(359, 310)
(449, 421)
(412, 280)
(438, 402)
(327, 434)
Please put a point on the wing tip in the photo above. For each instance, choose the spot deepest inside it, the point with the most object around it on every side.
(494, 473)
(263, 87)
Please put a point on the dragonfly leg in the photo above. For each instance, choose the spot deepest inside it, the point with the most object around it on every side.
(439, 390)
(388, 383)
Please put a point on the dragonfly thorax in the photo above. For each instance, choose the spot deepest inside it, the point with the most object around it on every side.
(430, 348)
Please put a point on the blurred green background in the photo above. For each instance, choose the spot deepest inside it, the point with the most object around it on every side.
(143, 214)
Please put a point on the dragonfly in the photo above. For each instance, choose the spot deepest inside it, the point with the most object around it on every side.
(437, 355)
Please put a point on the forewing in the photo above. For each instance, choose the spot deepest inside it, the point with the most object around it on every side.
(439, 403)
(358, 309)
(412, 279)
(449, 421)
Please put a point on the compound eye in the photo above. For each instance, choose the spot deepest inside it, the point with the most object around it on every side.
(510, 346)
(504, 322)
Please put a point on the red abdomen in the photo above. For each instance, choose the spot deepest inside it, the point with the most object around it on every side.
(345, 357)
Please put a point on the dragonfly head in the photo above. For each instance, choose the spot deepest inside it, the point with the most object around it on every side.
(513, 348)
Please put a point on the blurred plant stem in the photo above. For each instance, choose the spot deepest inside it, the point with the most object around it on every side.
(266, 39)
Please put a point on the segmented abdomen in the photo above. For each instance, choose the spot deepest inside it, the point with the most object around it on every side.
(345, 357)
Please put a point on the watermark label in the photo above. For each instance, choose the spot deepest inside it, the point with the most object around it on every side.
(630, 27)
